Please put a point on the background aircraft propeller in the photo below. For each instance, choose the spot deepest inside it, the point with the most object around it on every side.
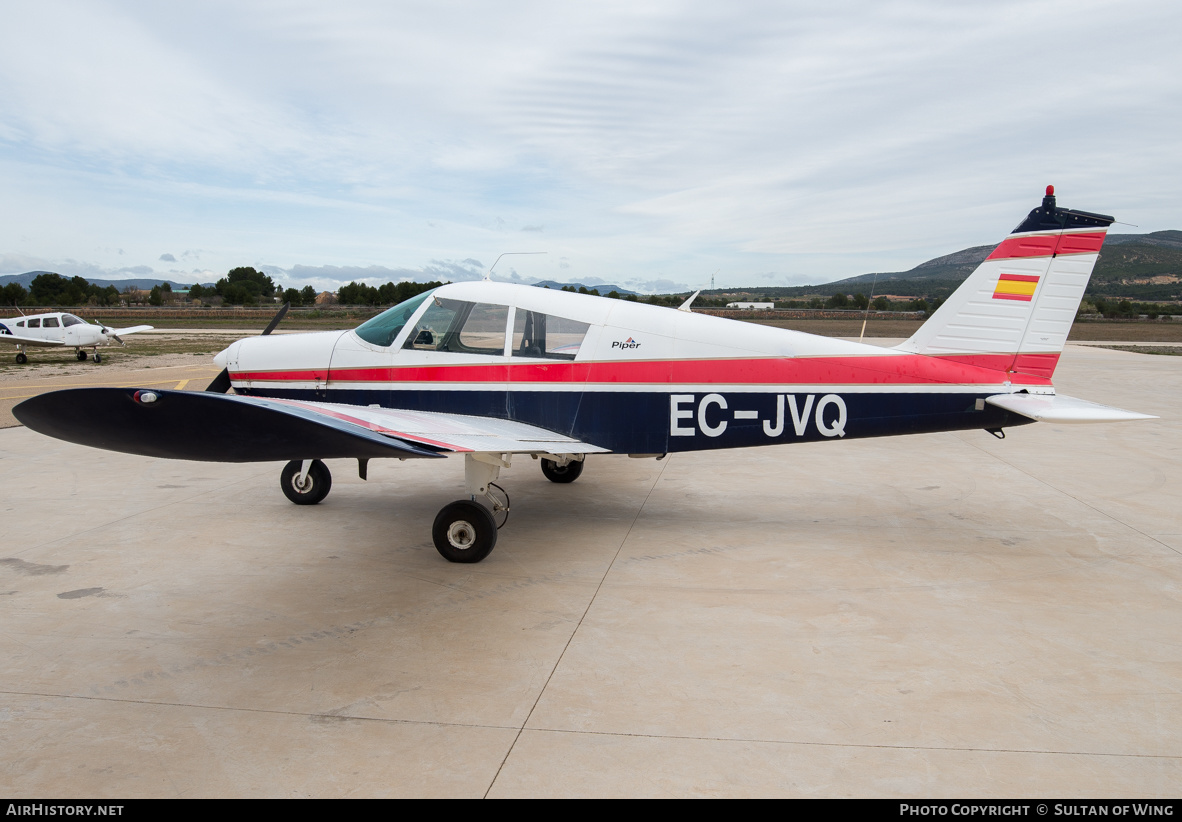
(221, 383)
(110, 333)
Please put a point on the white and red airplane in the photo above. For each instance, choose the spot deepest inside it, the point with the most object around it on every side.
(60, 330)
(491, 371)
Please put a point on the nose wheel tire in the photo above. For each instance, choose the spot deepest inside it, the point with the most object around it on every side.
(98, 357)
(562, 473)
(313, 489)
(464, 531)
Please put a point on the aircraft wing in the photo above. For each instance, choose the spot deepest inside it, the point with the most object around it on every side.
(197, 425)
(1062, 409)
(36, 342)
(135, 329)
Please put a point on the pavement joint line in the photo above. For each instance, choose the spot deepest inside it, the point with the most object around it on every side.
(574, 731)
(578, 624)
(234, 709)
(435, 723)
(1068, 494)
(757, 740)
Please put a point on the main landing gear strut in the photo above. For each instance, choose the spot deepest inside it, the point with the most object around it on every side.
(464, 530)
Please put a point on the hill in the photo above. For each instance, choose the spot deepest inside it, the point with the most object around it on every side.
(142, 284)
(602, 289)
(1136, 267)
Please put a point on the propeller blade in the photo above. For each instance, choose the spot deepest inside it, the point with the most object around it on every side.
(220, 383)
(110, 333)
(275, 320)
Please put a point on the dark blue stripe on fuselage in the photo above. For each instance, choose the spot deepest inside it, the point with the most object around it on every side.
(645, 423)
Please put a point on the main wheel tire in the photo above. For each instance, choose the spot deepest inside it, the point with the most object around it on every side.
(315, 486)
(464, 531)
(21, 359)
(81, 355)
(562, 473)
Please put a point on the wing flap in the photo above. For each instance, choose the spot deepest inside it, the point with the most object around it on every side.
(453, 432)
(1062, 409)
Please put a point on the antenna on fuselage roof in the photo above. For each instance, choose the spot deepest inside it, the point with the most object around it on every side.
(488, 275)
(866, 316)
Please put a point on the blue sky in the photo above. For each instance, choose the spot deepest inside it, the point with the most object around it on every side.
(649, 144)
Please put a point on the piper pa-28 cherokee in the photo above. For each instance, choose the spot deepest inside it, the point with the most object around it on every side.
(491, 370)
(61, 331)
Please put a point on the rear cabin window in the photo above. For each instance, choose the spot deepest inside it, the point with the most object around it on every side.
(35, 323)
(544, 335)
(461, 328)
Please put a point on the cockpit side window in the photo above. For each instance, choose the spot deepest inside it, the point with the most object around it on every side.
(461, 328)
(436, 324)
(384, 328)
(544, 335)
(51, 322)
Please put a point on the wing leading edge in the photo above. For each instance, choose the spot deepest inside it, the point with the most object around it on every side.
(209, 427)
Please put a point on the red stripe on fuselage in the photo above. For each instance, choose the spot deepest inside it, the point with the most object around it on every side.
(1035, 365)
(886, 370)
(1044, 245)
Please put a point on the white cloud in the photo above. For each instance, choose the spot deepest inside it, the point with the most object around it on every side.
(650, 140)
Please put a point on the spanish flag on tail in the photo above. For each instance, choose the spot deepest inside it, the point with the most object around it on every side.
(1016, 287)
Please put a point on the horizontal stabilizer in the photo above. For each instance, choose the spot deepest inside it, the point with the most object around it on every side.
(1058, 408)
(194, 425)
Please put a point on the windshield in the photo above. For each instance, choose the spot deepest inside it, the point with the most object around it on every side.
(383, 329)
(70, 319)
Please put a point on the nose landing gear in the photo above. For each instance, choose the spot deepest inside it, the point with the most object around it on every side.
(466, 530)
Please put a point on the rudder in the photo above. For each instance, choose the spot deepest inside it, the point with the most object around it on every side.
(1014, 312)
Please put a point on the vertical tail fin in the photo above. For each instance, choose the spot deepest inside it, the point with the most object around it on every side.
(1014, 312)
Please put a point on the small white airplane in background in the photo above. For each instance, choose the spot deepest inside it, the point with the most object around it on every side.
(491, 370)
(58, 330)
